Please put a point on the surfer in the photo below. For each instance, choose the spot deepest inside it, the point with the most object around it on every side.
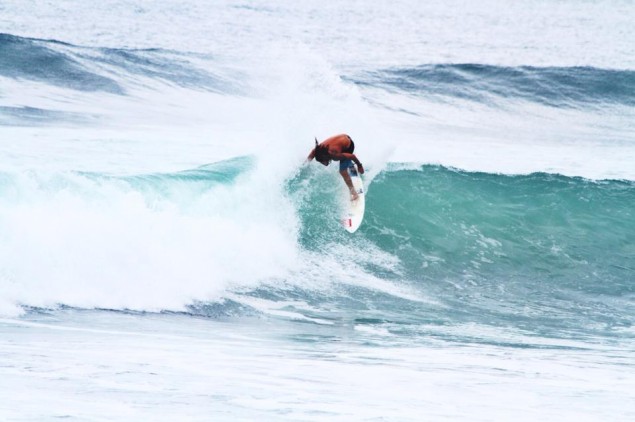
(339, 148)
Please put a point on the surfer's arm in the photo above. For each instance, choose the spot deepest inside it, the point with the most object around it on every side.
(311, 156)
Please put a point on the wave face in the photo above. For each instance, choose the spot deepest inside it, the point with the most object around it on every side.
(519, 224)
(543, 253)
(512, 248)
(553, 86)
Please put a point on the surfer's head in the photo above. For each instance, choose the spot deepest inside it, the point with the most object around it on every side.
(322, 154)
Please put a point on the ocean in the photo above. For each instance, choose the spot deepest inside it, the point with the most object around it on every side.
(167, 254)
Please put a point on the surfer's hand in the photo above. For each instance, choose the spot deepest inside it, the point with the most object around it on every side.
(360, 168)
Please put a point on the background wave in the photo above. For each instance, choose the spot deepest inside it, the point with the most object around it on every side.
(113, 70)
(110, 70)
(553, 86)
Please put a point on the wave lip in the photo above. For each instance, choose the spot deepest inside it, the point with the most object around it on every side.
(552, 86)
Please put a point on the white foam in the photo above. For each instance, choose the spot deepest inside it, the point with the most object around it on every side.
(83, 243)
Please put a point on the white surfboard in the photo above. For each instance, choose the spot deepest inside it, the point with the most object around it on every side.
(354, 210)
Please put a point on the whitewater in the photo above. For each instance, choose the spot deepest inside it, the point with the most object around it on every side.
(167, 254)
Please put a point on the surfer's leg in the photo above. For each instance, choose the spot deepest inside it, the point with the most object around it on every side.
(349, 183)
(344, 165)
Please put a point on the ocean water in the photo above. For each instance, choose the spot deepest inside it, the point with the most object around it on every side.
(166, 254)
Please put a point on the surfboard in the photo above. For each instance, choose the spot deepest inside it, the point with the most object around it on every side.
(354, 210)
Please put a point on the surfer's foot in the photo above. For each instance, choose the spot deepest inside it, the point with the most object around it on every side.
(354, 196)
